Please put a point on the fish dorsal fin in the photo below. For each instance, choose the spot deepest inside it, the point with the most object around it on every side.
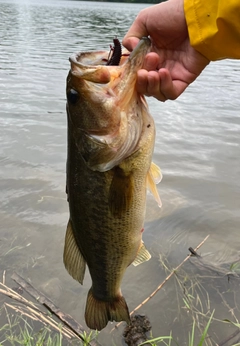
(121, 192)
(154, 177)
(142, 256)
(72, 257)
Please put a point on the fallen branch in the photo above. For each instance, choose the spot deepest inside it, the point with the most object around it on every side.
(66, 319)
(70, 328)
(45, 320)
(30, 310)
(236, 333)
(168, 277)
(163, 283)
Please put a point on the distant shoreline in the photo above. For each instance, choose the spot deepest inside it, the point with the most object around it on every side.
(129, 1)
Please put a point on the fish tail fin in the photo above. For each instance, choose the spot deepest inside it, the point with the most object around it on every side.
(99, 312)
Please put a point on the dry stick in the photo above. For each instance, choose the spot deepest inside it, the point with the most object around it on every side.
(66, 319)
(18, 309)
(39, 316)
(4, 276)
(13, 295)
(36, 313)
(167, 278)
(78, 329)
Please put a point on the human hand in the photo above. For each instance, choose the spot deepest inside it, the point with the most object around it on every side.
(172, 64)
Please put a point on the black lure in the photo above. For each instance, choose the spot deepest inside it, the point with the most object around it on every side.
(116, 50)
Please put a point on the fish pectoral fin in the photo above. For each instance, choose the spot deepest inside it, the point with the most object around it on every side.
(154, 177)
(121, 192)
(156, 173)
(142, 256)
(95, 152)
(99, 312)
(72, 257)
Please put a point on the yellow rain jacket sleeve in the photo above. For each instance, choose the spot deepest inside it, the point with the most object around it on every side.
(214, 27)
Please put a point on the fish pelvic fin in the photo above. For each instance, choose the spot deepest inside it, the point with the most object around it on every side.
(99, 312)
(72, 257)
(154, 177)
(142, 256)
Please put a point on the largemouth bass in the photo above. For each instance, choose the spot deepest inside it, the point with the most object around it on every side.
(110, 144)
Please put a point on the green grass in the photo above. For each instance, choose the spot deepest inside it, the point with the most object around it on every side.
(167, 340)
(18, 331)
(14, 334)
(45, 337)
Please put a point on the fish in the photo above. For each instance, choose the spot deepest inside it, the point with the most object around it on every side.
(111, 137)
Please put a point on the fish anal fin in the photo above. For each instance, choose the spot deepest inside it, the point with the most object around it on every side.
(154, 177)
(142, 256)
(121, 192)
(99, 312)
(72, 257)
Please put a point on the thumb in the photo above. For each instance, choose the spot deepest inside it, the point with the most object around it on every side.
(136, 32)
(130, 42)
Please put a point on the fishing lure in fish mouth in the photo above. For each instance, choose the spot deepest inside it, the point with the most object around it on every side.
(115, 53)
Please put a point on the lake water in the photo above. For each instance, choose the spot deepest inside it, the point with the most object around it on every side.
(197, 148)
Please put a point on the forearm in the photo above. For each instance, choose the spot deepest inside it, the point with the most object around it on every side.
(214, 27)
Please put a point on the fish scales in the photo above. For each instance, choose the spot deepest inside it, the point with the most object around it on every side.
(107, 175)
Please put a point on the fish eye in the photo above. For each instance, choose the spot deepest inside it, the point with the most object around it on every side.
(72, 96)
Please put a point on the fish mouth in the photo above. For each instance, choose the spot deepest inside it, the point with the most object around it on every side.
(92, 66)
(99, 58)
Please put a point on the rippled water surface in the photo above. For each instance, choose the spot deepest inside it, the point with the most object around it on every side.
(197, 147)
